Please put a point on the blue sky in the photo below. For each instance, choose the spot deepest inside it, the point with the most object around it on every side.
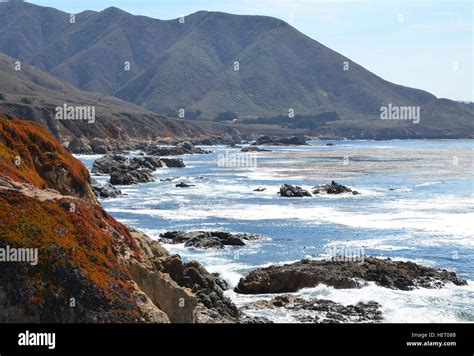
(420, 43)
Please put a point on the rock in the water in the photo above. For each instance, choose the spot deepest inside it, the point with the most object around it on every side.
(130, 170)
(184, 185)
(259, 189)
(206, 239)
(340, 274)
(320, 310)
(104, 191)
(124, 175)
(111, 162)
(173, 162)
(333, 188)
(107, 163)
(280, 141)
(291, 191)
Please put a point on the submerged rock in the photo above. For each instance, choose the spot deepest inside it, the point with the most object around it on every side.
(184, 185)
(320, 310)
(206, 239)
(341, 274)
(259, 189)
(291, 191)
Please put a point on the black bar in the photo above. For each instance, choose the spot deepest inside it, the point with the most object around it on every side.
(260, 338)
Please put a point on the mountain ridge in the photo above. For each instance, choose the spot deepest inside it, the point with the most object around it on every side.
(190, 66)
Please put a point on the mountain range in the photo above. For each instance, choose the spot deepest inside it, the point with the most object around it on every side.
(208, 63)
(35, 95)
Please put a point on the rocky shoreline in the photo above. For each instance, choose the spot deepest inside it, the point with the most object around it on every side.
(344, 274)
(115, 273)
(318, 310)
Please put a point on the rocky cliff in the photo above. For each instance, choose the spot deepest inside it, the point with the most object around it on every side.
(89, 267)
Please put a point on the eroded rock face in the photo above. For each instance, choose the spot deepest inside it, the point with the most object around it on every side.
(80, 146)
(30, 154)
(204, 301)
(100, 146)
(112, 273)
(333, 188)
(206, 239)
(106, 190)
(320, 310)
(291, 191)
(339, 274)
(81, 256)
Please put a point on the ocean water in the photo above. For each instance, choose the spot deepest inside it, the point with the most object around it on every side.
(416, 204)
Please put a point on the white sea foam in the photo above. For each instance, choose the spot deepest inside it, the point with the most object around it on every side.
(432, 217)
(419, 305)
(428, 184)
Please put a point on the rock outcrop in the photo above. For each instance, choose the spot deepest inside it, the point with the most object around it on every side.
(125, 170)
(341, 274)
(173, 162)
(291, 191)
(320, 310)
(333, 188)
(90, 268)
(207, 239)
(112, 162)
(125, 175)
(106, 190)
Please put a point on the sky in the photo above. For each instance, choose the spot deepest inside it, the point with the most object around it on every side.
(425, 44)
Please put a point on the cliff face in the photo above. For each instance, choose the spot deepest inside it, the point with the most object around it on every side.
(89, 267)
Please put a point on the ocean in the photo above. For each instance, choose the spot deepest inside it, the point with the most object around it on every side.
(416, 204)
